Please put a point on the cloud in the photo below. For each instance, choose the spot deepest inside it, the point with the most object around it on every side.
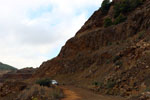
(32, 31)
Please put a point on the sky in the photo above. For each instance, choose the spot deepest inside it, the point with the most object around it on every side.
(33, 31)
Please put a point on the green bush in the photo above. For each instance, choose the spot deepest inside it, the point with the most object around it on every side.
(105, 6)
(135, 3)
(44, 82)
(116, 58)
(101, 84)
(141, 34)
(109, 43)
(110, 84)
(95, 83)
(108, 22)
(121, 18)
(126, 6)
(147, 89)
(122, 7)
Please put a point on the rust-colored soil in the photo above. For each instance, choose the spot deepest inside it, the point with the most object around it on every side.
(73, 93)
(70, 95)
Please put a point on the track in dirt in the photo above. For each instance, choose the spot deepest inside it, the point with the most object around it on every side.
(72, 93)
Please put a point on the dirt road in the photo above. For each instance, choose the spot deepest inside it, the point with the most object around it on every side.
(72, 93)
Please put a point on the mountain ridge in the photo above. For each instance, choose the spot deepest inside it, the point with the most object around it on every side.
(6, 67)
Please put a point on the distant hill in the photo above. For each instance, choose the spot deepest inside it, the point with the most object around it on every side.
(6, 67)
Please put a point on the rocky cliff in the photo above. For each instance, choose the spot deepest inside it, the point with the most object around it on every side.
(115, 58)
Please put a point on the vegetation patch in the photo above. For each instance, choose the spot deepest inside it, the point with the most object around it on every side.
(120, 10)
(108, 22)
(99, 84)
(121, 18)
(37, 92)
(44, 82)
(116, 58)
(126, 6)
(110, 84)
(57, 94)
(141, 35)
(6, 67)
(147, 89)
(119, 63)
(105, 6)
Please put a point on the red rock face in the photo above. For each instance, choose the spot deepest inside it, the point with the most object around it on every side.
(106, 54)
(93, 36)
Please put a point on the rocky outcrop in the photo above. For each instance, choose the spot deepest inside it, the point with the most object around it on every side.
(116, 56)
(21, 74)
(11, 88)
(93, 36)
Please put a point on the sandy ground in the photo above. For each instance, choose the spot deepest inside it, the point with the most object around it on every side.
(72, 93)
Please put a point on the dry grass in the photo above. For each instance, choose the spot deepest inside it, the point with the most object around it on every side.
(3, 72)
(37, 92)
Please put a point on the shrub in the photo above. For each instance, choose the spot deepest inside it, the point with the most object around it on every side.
(116, 10)
(34, 98)
(100, 84)
(125, 6)
(141, 35)
(121, 18)
(108, 61)
(57, 94)
(95, 83)
(110, 84)
(44, 82)
(116, 58)
(122, 7)
(36, 92)
(119, 63)
(108, 22)
(135, 3)
(105, 6)
(147, 89)
(109, 43)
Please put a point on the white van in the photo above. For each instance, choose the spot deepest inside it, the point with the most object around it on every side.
(54, 82)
